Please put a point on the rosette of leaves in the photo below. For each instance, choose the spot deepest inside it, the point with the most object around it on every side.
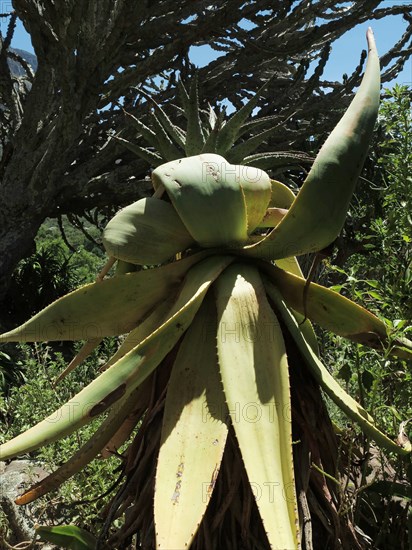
(237, 139)
(216, 332)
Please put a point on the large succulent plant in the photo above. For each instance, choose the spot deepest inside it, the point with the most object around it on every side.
(204, 363)
(236, 139)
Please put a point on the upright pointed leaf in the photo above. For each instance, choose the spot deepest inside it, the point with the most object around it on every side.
(194, 136)
(183, 95)
(174, 131)
(193, 435)
(142, 152)
(318, 213)
(254, 370)
(210, 145)
(147, 133)
(230, 131)
(166, 147)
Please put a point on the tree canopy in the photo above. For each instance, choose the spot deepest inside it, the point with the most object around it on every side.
(95, 58)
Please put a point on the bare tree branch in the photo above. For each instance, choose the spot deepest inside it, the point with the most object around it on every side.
(57, 155)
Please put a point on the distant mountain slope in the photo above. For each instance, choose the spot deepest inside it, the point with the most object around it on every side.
(16, 67)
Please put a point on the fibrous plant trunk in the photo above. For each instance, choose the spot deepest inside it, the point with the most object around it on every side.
(232, 520)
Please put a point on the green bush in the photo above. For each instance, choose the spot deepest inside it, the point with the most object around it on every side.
(82, 497)
(379, 276)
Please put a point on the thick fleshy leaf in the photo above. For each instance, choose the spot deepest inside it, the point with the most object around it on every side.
(194, 136)
(205, 191)
(282, 199)
(272, 217)
(142, 331)
(257, 191)
(232, 129)
(86, 453)
(277, 159)
(318, 213)
(254, 370)
(343, 400)
(147, 232)
(193, 435)
(142, 152)
(333, 311)
(129, 372)
(88, 347)
(67, 536)
(107, 308)
(282, 196)
(174, 131)
(292, 265)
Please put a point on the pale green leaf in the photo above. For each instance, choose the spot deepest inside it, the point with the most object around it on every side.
(142, 331)
(205, 192)
(193, 435)
(282, 196)
(318, 213)
(194, 136)
(110, 307)
(334, 312)
(328, 383)
(146, 232)
(129, 372)
(254, 370)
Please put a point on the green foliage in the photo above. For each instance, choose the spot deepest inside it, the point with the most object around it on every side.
(86, 254)
(78, 500)
(383, 273)
(50, 272)
(39, 280)
(380, 278)
(11, 371)
(68, 536)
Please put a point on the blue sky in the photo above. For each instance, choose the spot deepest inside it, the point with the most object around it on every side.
(346, 50)
(344, 57)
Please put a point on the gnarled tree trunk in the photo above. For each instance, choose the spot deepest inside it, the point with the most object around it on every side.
(57, 155)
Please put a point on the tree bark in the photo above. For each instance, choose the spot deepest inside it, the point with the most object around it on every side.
(56, 146)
